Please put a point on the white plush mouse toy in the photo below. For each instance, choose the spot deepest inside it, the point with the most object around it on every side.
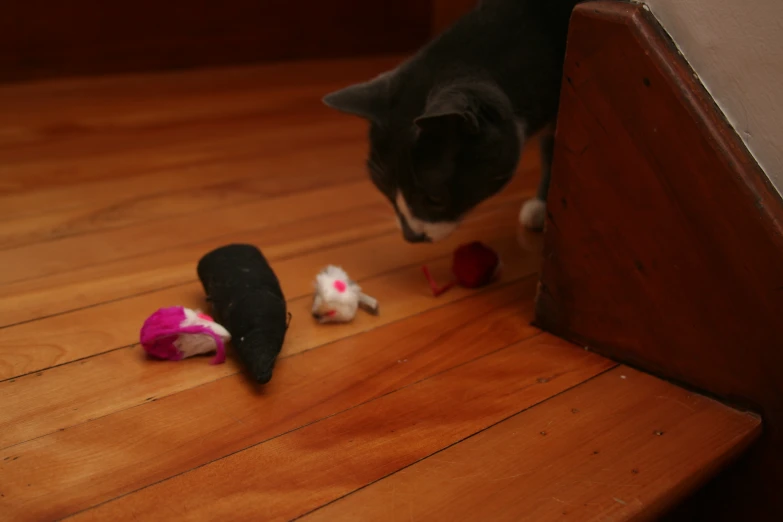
(337, 298)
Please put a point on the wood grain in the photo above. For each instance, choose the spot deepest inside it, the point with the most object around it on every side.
(194, 191)
(349, 450)
(113, 188)
(664, 243)
(559, 460)
(76, 252)
(92, 37)
(78, 471)
(78, 288)
(82, 151)
(46, 401)
(67, 133)
(90, 286)
(89, 331)
(44, 113)
(202, 187)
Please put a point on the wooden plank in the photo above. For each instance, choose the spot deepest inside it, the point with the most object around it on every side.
(92, 38)
(153, 131)
(75, 289)
(72, 290)
(39, 187)
(112, 190)
(164, 121)
(71, 253)
(38, 113)
(623, 446)
(66, 337)
(348, 451)
(154, 119)
(334, 157)
(335, 165)
(56, 137)
(656, 204)
(90, 286)
(47, 401)
(75, 469)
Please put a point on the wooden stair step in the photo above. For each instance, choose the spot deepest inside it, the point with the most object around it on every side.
(198, 425)
(449, 408)
(622, 446)
(541, 429)
(299, 471)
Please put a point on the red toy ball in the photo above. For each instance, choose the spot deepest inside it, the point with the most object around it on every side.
(474, 265)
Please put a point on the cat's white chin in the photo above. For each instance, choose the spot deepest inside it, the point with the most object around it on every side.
(438, 231)
(533, 214)
(433, 231)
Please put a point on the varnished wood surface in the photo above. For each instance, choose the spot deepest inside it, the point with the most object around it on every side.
(110, 192)
(559, 460)
(664, 242)
(347, 451)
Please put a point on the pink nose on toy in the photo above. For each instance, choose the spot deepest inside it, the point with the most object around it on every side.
(340, 286)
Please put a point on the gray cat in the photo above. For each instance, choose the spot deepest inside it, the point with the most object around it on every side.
(447, 126)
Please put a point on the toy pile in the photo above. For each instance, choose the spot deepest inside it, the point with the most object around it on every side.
(250, 308)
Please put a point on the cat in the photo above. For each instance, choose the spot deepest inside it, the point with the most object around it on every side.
(447, 126)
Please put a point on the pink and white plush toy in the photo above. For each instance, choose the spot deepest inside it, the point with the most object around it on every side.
(337, 298)
(176, 333)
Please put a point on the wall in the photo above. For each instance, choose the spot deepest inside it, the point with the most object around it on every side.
(446, 12)
(736, 47)
(45, 38)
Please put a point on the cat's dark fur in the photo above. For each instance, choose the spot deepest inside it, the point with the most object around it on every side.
(447, 126)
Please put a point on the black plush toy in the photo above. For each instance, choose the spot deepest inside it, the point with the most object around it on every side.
(246, 298)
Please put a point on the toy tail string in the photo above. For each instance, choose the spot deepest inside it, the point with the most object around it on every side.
(368, 304)
(436, 290)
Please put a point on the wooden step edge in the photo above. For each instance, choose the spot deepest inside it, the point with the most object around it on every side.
(621, 446)
(663, 242)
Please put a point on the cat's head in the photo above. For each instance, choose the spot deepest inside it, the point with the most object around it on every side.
(435, 152)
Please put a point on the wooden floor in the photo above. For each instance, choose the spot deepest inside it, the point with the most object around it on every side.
(449, 408)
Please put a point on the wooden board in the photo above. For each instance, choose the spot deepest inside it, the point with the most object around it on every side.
(663, 243)
(323, 461)
(93, 37)
(558, 460)
(117, 376)
(73, 286)
(315, 385)
(112, 190)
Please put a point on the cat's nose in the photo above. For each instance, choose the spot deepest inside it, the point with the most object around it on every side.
(409, 235)
(413, 237)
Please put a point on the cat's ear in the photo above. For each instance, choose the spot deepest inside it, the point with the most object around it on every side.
(367, 100)
(450, 108)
